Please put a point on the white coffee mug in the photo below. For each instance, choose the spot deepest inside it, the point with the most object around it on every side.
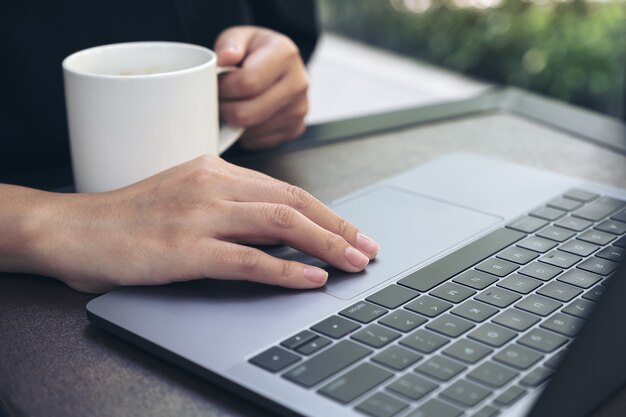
(135, 109)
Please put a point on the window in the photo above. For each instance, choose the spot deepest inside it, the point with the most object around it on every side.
(572, 50)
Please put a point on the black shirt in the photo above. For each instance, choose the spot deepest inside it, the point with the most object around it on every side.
(37, 35)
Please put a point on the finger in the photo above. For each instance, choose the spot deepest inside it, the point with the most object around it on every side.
(231, 45)
(289, 226)
(254, 111)
(235, 261)
(269, 57)
(245, 185)
(289, 120)
(254, 190)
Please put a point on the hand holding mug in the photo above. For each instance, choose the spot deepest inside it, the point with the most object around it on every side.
(268, 94)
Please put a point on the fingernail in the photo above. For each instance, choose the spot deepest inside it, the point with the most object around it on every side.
(230, 48)
(315, 275)
(356, 258)
(366, 244)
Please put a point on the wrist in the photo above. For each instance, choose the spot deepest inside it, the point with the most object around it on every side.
(25, 224)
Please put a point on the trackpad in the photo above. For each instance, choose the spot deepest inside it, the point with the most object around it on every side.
(410, 229)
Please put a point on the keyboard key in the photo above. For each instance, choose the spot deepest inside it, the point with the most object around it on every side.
(497, 267)
(327, 363)
(445, 268)
(487, 411)
(363, 312)
(518, 255)
(435, 408)
(598, 209)
(402, 320)
(397, 357)
(542, 340)
(355, 382)
(537, 244)
(563, 324)
(612, 226)
(559, 291)
(467, 351)
(298, 339)
(335, 327)
(450, 325)
(579, 278)
(547, 213)
(536, 304)
(516, 319)
(492, 374)
(564, 204)
(556, 233)
(598, 266)
(466, 393)
(412, 386)
(475, 279)
(537, 377)
(275, 359)
(314, 345)
(440, 368)
(518, 356)
(612, 253)
(475, 311)
(520, 283)
(392, 296)
(560, 259)
(597, 237)
(498, 297)
(580, 195)
(375, 335)
(452, 292)
(579, 308)
(578, 247)
(595, 293)
(540, 271)
(424, 341)
(574, 223)
(621, 242)
(510, 396)
(492, 335)
(381, 405)
(527, 224)
(428, 306)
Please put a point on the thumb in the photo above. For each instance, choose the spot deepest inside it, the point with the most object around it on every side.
(232, 45)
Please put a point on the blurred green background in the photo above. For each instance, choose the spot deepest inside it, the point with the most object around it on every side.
(573, 50)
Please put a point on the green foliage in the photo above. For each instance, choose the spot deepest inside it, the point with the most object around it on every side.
(574, 50)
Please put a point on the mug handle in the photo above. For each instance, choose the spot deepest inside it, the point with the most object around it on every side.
(228, 134)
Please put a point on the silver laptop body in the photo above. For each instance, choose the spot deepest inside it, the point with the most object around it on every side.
(227, 332)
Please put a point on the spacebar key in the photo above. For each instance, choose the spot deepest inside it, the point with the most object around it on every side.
(327, 363)
(445, 268)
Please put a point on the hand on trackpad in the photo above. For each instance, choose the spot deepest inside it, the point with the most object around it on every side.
(409, 228)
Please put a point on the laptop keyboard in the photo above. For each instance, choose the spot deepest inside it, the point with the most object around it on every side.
(473, 332)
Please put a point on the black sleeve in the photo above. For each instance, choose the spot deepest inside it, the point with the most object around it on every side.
(296, 19)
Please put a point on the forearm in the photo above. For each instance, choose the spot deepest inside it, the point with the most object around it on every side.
(24, 213)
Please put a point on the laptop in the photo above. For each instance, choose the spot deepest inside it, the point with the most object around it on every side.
(487, 272)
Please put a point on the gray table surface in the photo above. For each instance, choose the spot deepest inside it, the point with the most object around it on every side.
(54, 363)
